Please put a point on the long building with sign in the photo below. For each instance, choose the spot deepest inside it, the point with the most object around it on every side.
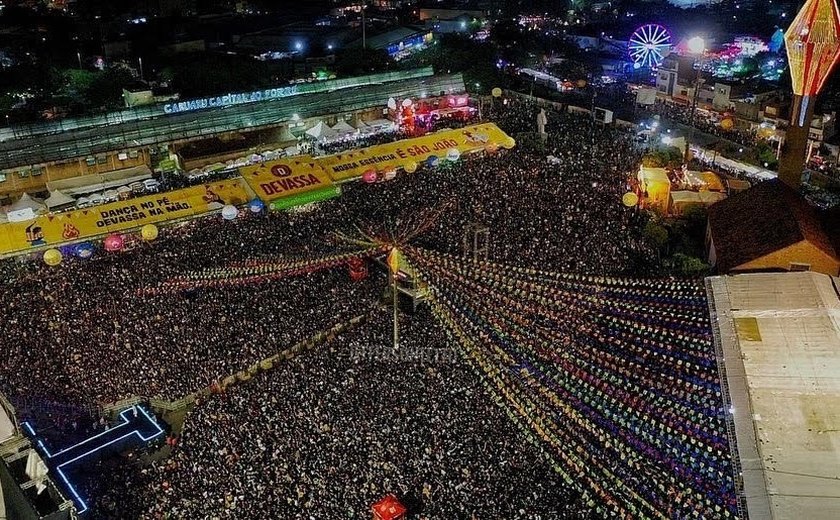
(33, 156)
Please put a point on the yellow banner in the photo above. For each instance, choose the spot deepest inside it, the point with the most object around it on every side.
(119, 216)
(286, 177)
(353, 164)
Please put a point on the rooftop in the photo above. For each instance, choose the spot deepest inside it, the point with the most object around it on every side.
(762, 220)
(780, 340)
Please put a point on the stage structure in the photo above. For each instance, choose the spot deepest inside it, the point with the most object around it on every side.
(813, 46)
(27, 492)
(407, 283)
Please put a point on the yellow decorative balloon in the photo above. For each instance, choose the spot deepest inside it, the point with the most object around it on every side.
(149, 232)
(52, 257)
(497, 92)
(509, 143)
(630, 199)
(410, 167)
(727, 124)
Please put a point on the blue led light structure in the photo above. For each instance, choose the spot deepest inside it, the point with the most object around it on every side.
(136, 425)
(649, 45)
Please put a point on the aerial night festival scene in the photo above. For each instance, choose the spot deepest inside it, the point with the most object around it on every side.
(419, 260)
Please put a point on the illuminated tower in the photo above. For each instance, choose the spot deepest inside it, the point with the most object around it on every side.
(812, 43)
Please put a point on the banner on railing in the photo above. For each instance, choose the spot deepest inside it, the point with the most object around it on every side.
(286, 178)
(399, 154)
(55, 229)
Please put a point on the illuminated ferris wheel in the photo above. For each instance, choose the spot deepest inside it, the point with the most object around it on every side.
(649, 45)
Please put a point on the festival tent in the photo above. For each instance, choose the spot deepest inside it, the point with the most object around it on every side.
(59, 200)
(25, 208)
(320, 131)
(361, 125)
(657, 187)
(342, 127)
(100, 181)
(710, 197)
(27, 202)
(380, 125)
(389, 508)
(711, 181)
(682, 200)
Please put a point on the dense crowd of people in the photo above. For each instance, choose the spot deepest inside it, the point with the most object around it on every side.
(331, 431)
(682, 114)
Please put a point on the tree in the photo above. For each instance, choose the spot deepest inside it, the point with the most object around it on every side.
(656, 234)
(105, 91)
(690, 266)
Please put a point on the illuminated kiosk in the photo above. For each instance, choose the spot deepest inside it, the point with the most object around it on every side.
(389, 508)
(26, 493)
(813, 46)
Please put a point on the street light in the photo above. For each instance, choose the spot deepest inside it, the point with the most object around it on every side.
(696, 45)
(697, 48)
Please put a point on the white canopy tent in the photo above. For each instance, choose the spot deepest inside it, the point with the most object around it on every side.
(58, 199)
(342, 127)
(361, 125)
(380, 125)
(25, 208)
(321, 131)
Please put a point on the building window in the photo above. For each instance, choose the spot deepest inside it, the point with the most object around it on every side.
(38, 170)
(91, 161)
(798, 267)
(2, 177)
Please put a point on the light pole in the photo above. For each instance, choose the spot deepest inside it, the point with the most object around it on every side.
(364, 25)
(140, 60)
(697, 47)
(79, 56)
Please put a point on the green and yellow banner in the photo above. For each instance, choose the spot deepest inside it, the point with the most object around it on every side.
(352, 164)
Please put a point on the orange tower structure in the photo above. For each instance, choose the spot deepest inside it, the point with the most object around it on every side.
(813, 46)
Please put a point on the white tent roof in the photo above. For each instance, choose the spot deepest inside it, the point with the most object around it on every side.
(27, 202)
(361, 125)
(380, 123)
(320, 131)
(100, 181)
(59, 198)
(342, 127)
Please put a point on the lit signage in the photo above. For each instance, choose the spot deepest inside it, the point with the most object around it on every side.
(229, 100)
